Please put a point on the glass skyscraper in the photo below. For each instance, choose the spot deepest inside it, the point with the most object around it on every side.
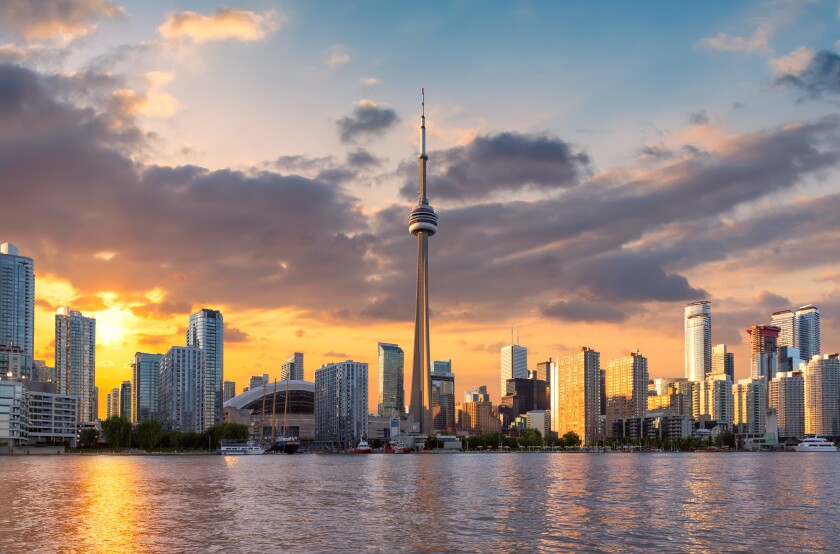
(391, 379)
(293, 368)
(341, 400)
(443, 396)
(698, 340)
(145, 369)
(514, 364)
(17, 304)
(75, 359)
(808, 331)
(786, 322)
(207, 332)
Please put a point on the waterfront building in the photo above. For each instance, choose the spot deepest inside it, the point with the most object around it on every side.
(514, 364)
(786, 322)
(391, 371)
(145, 371)
(698, 340)
(52, 416)
(41, 372)
(14, 425)
(75, 359)
(267, 415)
(723, 362)
(477, 418)
(443, 397)
(341, 401)
(822, 395)
(477, 394)
(677, 399)
(112, 402)
(539, 420)
(11, 360)
(749, 406)
(228, 390)
(293, 367)
(576, 394)
(807, 328)
(713, 399)
(125, 400)
(422, 223)
(626, 388)
(787, 397)
(764, 352)
(17, 304)
(660, 426)
(181, 389)
(207, 332)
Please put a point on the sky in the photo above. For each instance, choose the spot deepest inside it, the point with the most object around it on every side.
(594, 168)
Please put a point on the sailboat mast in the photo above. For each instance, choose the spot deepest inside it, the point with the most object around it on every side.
(273, 412)
(286, 405)
(262, 416)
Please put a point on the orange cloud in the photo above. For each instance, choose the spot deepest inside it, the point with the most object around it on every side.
(55, 19)
(224, 24)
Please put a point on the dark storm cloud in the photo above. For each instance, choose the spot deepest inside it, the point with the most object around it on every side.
(502, 162)
(583, 311)
(366, 120)
(820, 78)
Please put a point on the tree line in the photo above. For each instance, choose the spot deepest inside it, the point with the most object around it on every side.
(149, 434)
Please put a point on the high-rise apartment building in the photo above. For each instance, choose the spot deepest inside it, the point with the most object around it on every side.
(75, 359)
(125, 400)
(723, 362)
(443, 396)
(11, 362)
(713, 399)
(391, 375)
(786, 322)
(341, 401)
(258, 381)
(181, 396)
(293, 368)
(576, 394)
(477, 394)
(676, 399)
(822, 395)
(807, 328)
(145, 370)
(514, 364)
(228, 390)
(749, 406)
(626, 384)
(764, 352)
(41, 372)
(17, 304)
(787, 397)
(207, 332)
(112, 400)
(698, 340)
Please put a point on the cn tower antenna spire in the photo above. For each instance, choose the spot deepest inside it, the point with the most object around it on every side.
(423, 157)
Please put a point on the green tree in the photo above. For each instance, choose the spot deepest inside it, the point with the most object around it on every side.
(531, 437)
(89, 438)
(571, 439)
(117, 431)
(147, 434)
(432, 442)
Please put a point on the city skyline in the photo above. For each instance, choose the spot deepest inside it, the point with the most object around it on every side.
(262, 165)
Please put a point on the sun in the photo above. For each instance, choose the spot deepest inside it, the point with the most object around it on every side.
(113, 325)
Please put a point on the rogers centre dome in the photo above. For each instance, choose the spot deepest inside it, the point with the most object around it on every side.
(255, 407)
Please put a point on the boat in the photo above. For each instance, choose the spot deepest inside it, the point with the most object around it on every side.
(815, 444)
(397, 447)
(285, 445)
(240, 448)
(363, 448)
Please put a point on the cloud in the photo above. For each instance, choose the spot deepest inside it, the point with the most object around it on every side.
(336, 355)
(362, 159)
(368, 119)
(61, 20)
(370, 81)
(338, 56)
(223, 24)
(793, 63)
(821, 77)
(582, 311)
(724, 42)
(233, 335)
(501, 162)
(772, 301)
(655, 153)
(698, 118)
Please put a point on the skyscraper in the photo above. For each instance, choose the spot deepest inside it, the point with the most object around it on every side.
(112, 400)
(786, 322)
(443, 396)
(514, 364)
(125, 400)
(228, 390)
(698, 340)
(789, 358)
(422, 223)
(808, 331)
(75, 359)
(764, 352)
(391, 374)
(713, 399)
(341, 401)
(822, 391)
(723, 362)
(787, 397)
(17, 303)
(293, 368)
(576, 394)
(181, 395)
(145, 370)
(207, 331)
(626, 383)
(749, 406)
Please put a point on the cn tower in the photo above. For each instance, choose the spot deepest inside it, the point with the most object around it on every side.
(422, 223)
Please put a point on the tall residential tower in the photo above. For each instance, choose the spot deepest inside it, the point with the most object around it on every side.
(808, 331)
(75, 359)
(698, 340)
(207, 332)
(391, 376)
(17, 304)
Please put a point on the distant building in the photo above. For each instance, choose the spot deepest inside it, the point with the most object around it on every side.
(17, 304)
(11, 360)
(228, 390)
(626, 388)
(125, 400)
(539, 420)
(653, 426)
(698, 340)
(786, 322)
(808, 331)
(477, 418)
(257, 381)
(112, 400)
(391, 379)
(525, 395)
(749, 406)
(677, 398)
(543, 371)
(787, 397)
(145, 370)
(341, 401)
(292, 368)
(576, 394)
(477, 394)
(181, 396)
(822, 391)
(207, 332)
(443, 396)
(789, 358)
(41, 372)
(764, 352)
(723, 362)
(660, 385)
(713, 400)
(514, 364)
(75, 359)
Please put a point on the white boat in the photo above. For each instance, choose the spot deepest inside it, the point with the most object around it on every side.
(240, 448)
(363, 448)
(815, 444)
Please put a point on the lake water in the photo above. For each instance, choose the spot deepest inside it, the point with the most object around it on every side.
(462, 502)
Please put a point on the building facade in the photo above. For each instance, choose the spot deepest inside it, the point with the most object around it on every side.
(17, 304)
(41, 372)
(576, 395)
(292, 368)
(391, 379)
(443, 397)
(477, 418)
(112, 401)
(207, 332)
(181, 389)
(626, 384)
(341, 401)
(787, 397)
(808, 331)
(125, 400)
(785, 320)
(822, 391)
(713, 400)
(228, 390)
(723, 362)
(764, 351)
(145, 371)
(52, 416)
(75, 359)
(698, 340)
(514, 364)
(14, 425)
(749, 406)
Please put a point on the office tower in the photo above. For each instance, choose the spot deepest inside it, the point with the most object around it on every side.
(786, 322)
(822, 395)
(807, 328)
(544, 372)
(514, 364)
(626, 384)
(341, 401)
(181, 389)
(477, 394)
(576, 394)
(443, 397)
(41, 372)
(789, 358)
(523, 396)
(258, 381)
(723, 362)
(391, 372)
(749, 406)
(292, 368)
(422, 223)
(713, 399)
(112, 400)
(698, 340)
(764, 352)
(787, 397)
(75, 359)
(207, 332)
(145, 371)
(125, 400)
(228, 390)
(17, 304)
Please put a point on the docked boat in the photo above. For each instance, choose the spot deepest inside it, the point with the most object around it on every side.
(363, 448)
(397, 447)
(240, 448)
(285, 445)
(815, 444)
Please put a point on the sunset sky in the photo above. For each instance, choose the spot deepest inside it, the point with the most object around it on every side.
(594, 168)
